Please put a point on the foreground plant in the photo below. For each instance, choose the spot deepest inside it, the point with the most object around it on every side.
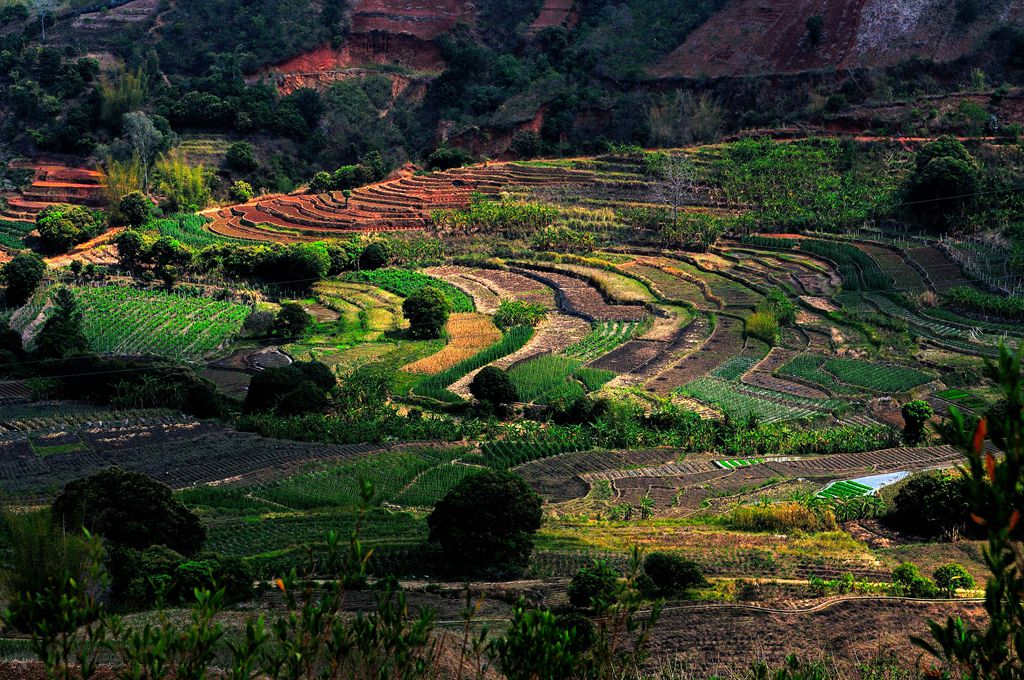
(996, 487)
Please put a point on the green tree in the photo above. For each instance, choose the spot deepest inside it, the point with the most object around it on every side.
(21, 276)
(485, 525)
(942, 191)
(594, 587)
(916, 415)
(61, 335)
(145, 139)
(241, 156)
(375, 255)
(931, 504)
(62, 226)
(241, 191)
(128, 509)
(952, 577)
(135, 209)
(492, 385)
(427, 311)
(292, 321)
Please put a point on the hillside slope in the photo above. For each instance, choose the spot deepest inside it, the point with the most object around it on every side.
(770, 36)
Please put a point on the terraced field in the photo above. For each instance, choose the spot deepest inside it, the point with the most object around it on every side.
(396, 205)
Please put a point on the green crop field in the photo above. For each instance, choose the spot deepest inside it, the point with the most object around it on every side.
(147, 322)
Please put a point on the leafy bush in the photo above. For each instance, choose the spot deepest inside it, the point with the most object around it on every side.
(302, 387)
(952, 577)
(594, 584)
(241, 191)
(241, 156)
(907, 580)
(446, 157)
(485, 525)
(291, 321)
(135, 209)
(536, 645)
(184, 186)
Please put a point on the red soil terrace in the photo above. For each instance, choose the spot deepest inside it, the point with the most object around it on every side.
(556, 14)
(52, 183)
(400, 204)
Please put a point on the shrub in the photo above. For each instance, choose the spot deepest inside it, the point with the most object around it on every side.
(916, 415)
(135, 209)
(951, 577)
(815, 25)
(908, 581)
(518, 313)
(486, 524)
(943, 187)
(763, 326)
(241, 191)
(594, 587)
(427, 311)
(931, 504)
(779, 306)
(241, 156)
(670, 574)
(493, 386)
(21, 276)
(128, 509)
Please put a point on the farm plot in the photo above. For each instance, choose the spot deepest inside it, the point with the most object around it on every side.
(666, 285)
(809, 368)
(550, 377)
(726, 341)
(616, 287)
(582, 299)
(561, 477)
(764, 375)
(468, 333)
(484, 297)
(962, 399)
(552, 336)
(730, 293)
(893, 265)
(741, 405)
(404, 282)
(436, 386)
(13, 233)
(633, 356)
(942, 273)
(506, 284)
(431, 486)
(876, 377)
(127, 321)
(963, 339)
(604, 337)
(366, 312)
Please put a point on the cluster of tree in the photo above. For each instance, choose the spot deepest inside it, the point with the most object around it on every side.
(371, 168)
(665, 575)
(297, 265)
(427, 311)
(942, 192)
